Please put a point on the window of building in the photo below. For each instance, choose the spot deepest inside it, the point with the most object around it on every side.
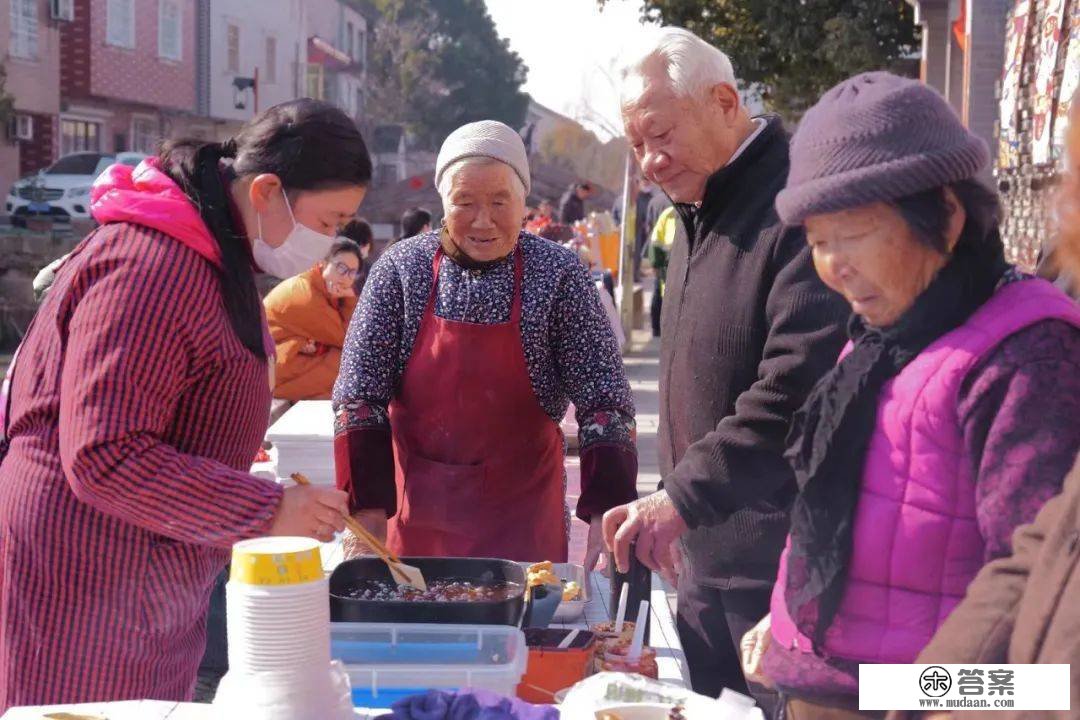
(316, 87)
(349, 39)
(170, 30)
(271, 60)
(144, 135)
(79, 136)
(24, 29)
(386, 174)
(120, 23)
(232, 35)
(361, 46)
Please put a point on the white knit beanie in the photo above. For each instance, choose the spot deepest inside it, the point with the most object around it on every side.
(487, 138)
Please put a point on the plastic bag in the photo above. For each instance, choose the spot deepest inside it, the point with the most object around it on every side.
(639, 698)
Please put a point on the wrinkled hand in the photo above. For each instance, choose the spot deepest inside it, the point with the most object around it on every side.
(671, 575)
(374, 521)
(752, 651)
(654, 523)
(595, 543)
(309, 511)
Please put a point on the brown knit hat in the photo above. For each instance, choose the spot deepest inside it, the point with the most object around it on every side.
(875, 137)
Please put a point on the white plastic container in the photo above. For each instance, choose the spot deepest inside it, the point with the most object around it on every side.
(386, 662)
(304, 440)
(279, 636)
(569, 611)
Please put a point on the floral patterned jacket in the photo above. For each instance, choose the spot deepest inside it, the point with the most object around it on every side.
(570, 351)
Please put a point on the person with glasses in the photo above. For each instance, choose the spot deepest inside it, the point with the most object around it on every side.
(359, 231)
(308, 315)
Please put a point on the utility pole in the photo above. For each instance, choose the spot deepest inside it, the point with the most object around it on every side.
(626, 250)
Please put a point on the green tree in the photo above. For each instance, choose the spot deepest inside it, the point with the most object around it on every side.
(401, 63)
(481, 74)
(438, 64)
(791, 51)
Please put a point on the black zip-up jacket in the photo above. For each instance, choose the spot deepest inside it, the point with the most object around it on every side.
(747, 330)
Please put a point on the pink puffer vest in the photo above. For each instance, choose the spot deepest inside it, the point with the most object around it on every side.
(916, 543)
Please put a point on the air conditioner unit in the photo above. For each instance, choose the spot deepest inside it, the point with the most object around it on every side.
(63, 10)
(21, 127)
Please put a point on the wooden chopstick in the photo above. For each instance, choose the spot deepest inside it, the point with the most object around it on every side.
(357, 529)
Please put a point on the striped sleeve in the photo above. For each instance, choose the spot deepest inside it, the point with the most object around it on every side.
(128, 357)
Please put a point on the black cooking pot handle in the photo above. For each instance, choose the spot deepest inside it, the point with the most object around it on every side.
(639, 578)
(541, 608)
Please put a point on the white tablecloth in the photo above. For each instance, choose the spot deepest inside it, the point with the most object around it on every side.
(139, 710)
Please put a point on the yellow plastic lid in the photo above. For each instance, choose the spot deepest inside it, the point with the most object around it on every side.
(276, 561)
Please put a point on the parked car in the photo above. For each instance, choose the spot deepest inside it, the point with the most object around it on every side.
(62, 190)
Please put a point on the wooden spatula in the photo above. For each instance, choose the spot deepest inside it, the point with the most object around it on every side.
(401, 573)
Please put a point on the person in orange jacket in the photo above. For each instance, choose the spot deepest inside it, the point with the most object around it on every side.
(308, 315)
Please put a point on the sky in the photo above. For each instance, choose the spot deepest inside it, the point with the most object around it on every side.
(570, 48)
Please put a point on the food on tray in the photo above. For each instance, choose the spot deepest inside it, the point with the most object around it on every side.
(616, 659)
(438, 591)
(608, 640)
(606, 631)
(677, 713)
(571, 591)
(543, 574)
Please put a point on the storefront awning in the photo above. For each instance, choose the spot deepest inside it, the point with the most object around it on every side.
(322, 52)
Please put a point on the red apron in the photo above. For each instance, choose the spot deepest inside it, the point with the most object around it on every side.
(478, 463)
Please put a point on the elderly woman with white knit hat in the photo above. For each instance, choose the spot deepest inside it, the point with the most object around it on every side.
(467, 346)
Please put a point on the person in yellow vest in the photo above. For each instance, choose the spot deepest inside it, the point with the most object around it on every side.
(663, 235)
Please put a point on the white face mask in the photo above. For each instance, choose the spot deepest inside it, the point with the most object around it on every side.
(303, 247)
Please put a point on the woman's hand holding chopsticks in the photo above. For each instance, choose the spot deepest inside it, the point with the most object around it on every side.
(310, 511)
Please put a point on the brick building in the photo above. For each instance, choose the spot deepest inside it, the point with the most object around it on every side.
(127, 74)
(30, 51)
(118, 75)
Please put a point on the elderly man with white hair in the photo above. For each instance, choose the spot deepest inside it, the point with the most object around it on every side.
(468, 344)
(747, 329)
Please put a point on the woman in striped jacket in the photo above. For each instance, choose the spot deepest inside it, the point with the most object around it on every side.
(138, 399)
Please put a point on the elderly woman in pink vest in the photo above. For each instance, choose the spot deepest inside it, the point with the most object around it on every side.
(951, 415)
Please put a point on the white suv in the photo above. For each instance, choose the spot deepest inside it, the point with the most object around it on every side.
(62, 190)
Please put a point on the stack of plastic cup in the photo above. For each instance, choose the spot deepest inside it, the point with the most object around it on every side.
(278, 616)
